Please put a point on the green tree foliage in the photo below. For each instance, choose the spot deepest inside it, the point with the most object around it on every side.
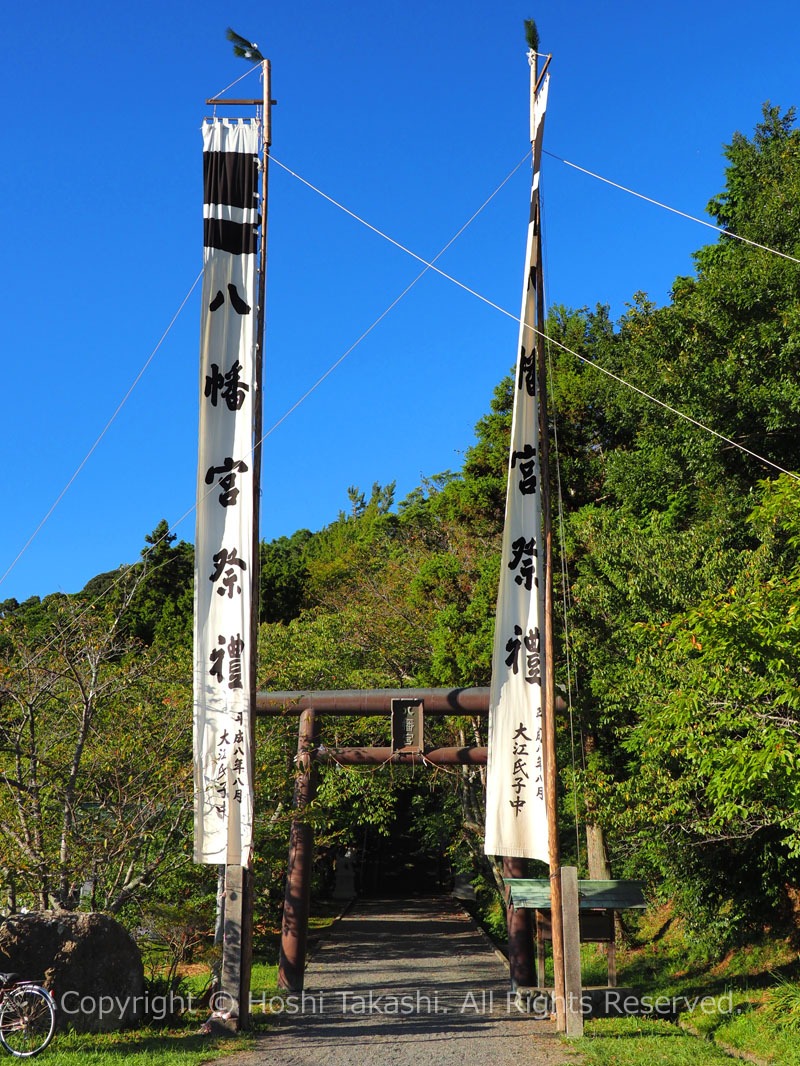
(161, 610)
(709, 800)
(725, 349)
(382, 584)
(679, 603)
(284, 577)
(761, 199)
(84, 802)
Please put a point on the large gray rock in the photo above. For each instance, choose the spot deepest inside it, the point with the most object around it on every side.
(89, 962)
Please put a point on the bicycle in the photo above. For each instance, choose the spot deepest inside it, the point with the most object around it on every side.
(27, 1016)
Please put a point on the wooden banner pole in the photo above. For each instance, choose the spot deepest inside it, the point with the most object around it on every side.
(237, 951)
(255, 555)
(551, 770)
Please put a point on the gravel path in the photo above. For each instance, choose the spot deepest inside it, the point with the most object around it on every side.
(405, 983)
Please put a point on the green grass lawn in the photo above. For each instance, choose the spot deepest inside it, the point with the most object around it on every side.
(640, 1042)
(182, 1046)
(756, 1024)
(748, 1000)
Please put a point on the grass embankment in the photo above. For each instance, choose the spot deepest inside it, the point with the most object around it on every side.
(748, 1001)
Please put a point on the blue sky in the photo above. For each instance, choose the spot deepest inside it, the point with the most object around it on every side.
(409, 114)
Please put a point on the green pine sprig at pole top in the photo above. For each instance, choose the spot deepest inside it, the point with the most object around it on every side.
(243, 48)
(531, 35)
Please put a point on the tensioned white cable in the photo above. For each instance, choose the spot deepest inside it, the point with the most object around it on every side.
(294, 407)
(369, 329)
(216, 98)
(552, 340)
(86, 457)
(674, 210)
(428, 266)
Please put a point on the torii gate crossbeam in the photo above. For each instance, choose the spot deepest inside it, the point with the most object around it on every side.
(473, 702)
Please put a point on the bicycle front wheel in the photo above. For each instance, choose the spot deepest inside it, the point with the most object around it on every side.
(27, 1020)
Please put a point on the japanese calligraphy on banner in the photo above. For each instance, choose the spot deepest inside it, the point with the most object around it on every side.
(223, 789)
(516, 820)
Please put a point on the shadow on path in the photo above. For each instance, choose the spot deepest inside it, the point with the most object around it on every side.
(406, 983)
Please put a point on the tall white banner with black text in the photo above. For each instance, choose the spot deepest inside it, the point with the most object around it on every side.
(223, 788)
(516, 819)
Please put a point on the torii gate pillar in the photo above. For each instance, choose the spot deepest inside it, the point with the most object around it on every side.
(294, 932)
(520, 931)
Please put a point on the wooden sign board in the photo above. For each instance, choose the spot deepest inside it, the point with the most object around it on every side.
(596, 926)
(407, 725)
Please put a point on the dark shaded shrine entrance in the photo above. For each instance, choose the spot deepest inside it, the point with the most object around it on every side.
(407, 750)
(403, 864)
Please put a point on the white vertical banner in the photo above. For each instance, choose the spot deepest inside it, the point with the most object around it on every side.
(223, 787)
(516, 817)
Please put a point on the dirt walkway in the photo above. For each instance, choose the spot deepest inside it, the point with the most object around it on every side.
(405, 983)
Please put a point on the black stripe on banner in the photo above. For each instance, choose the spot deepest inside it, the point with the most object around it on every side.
(237, 237)
(230, 178)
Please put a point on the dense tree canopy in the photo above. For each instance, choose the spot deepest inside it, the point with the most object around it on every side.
(94, 754)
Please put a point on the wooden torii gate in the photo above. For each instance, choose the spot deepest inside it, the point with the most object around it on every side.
(309, 706)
